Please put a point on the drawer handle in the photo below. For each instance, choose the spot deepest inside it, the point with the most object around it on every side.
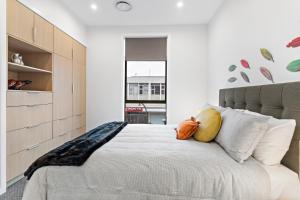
(33, 147)
(63, 134)
(31, 106)
(28, 127)
(28, 92)
(63, 119)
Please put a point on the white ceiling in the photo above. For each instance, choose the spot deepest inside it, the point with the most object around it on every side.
(144, 12)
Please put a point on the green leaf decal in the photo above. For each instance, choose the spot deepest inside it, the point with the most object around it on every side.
(266, 54)
(245, 77)
(232, 68)
(294, 66)
(232, 80)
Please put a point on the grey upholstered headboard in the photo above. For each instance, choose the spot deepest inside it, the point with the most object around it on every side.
(281, 101)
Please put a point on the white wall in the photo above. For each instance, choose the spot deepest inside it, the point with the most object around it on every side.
(240, 29)
(187, 69)
(3, 82)
(57, 14)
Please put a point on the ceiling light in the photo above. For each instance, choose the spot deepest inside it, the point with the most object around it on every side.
(123, 6)
(180, 4)
(94, 6)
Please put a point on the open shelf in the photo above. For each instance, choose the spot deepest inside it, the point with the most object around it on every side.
(23, 68)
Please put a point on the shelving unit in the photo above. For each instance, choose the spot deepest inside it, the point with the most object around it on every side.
(23, 68)
(37, 65)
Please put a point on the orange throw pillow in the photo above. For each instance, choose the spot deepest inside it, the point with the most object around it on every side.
(187, 128)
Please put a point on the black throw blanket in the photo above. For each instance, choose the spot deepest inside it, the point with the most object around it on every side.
(77, 151)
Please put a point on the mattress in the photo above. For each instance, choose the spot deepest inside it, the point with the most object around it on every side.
(146, 162)
(284, 183)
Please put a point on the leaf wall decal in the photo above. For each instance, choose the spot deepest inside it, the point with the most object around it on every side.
(294, 43)
(232, 68)
(294, 66)
(266, 73)
(245, 64)
(245, 77)
(266, 54)
(232, 79)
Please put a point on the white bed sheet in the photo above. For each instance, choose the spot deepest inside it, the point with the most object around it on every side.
(146, 162)
(284, 183)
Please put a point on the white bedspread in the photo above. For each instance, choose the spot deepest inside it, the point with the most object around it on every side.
(146, 162)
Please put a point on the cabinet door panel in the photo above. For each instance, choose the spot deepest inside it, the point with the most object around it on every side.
(62, 44)
(43, 33)
(62, 87)
(79, 88)
(20, 21)
(79, 53)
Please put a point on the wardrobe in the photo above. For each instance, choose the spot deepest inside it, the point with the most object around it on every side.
(51, 109)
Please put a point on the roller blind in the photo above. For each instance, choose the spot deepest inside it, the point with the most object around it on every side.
(146, 49)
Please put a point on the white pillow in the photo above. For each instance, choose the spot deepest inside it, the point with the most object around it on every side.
(240, 133)
(217, 108)
(276, 142)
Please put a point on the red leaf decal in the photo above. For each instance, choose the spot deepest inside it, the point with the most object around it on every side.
(294, 43)
(267, 74)
(245, 64)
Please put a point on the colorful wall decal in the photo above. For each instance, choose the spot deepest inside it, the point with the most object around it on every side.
(232, 79)
(245, 64)
(266, 54)
(245, 77)
(294, 66)
(232, 68)
(294, 43)
(267, 74)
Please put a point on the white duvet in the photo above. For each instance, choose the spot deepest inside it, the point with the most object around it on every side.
(146, 162)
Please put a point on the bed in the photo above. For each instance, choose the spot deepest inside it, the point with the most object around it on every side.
(147, 162)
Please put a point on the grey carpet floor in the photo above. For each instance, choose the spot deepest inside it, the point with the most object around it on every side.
(15, 191)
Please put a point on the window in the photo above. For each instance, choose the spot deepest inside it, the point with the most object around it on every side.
(133, 89)
(145, 81)
(143, 88)
(163, 89)
(155, 88)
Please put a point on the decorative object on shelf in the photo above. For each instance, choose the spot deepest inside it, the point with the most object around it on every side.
(245, 64)
(232, 79)
(267, 74)
(266, 54)
(294, 43)
(17, 58)
(232, 68)
(11, 83)
(17, 84)
(294, 66)
(245, 77)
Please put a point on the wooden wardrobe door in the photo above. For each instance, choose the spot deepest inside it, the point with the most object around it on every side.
(62, 44)
(44, 33)
(62, 87)
(79, 88)
(20, 21)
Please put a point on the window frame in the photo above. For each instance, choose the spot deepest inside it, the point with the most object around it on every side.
(146, 101)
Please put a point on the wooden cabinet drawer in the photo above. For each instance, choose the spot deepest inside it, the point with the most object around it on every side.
(20, 98)
(62, 126)
(78, 132)
(27, 138)
(28, 116)
(78, 121)
(19, 162)
(60, 140)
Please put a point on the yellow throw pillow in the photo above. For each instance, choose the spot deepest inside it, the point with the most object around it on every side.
(211, 122)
